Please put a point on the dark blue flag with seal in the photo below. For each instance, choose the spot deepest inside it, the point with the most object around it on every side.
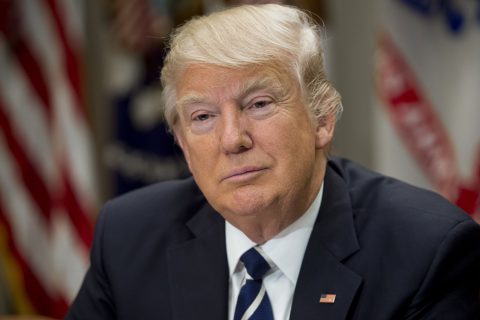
(141, 151)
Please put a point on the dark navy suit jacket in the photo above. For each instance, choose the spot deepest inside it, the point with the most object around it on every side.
(386, 249)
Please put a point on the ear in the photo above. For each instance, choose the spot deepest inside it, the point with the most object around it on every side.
(180, 139)
(324, 132)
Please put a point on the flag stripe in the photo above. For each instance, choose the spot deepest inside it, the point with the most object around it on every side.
(74, 159)
(73, 12)
(70, 127)
(30, 176)
(35, 244)
(32, 71)
(40, 300)
(76, 151)
(70, 257)
(27, 224)
(26, 115)
(34, 182)
(77, 215)
(38, 189)
(57, 241)
(70, 58)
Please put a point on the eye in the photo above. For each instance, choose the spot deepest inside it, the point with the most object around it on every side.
(261, 104)
(260, 107)
(201, 117)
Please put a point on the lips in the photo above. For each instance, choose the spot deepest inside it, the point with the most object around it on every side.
(244, 173)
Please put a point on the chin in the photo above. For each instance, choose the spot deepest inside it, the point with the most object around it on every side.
(248, 202)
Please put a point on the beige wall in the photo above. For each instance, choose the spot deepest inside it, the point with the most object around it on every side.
(352, 28)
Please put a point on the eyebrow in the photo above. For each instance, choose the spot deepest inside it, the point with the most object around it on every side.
(246, 88)
(190, 98)
(259, 83)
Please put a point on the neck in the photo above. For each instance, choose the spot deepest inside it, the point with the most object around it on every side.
(261, 233)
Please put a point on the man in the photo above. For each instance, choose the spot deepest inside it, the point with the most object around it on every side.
(268, 228)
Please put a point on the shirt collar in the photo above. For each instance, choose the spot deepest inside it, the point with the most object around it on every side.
(285, 250)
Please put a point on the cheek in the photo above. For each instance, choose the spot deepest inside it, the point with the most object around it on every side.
(298, 149)
(202, 153)
(291, 136)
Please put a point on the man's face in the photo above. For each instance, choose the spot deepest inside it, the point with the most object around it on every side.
(249, 141)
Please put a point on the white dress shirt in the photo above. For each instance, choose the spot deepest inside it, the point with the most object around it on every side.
(285, 255)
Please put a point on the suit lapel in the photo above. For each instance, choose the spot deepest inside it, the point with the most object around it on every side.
(333, 239)
(198, 270)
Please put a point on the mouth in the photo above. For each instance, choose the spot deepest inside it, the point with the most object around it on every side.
(244, 174)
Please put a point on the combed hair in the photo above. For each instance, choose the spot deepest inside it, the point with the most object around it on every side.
(253, 35)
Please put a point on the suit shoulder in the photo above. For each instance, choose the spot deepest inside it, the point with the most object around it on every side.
(412, 240)
(165, 194)
(374, 192)
(160, 204)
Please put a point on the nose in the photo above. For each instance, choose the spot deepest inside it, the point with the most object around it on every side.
(234, 135)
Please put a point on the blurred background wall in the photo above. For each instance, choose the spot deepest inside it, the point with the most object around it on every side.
(79, 101)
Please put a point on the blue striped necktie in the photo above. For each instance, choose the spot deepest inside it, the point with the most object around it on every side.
(253, 302)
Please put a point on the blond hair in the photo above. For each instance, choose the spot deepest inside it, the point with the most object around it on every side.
(253, 35)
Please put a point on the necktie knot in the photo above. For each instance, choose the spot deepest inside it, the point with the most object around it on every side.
(255, 264)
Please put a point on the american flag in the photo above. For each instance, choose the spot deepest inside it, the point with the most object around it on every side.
(47, 193)
(327, 298)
